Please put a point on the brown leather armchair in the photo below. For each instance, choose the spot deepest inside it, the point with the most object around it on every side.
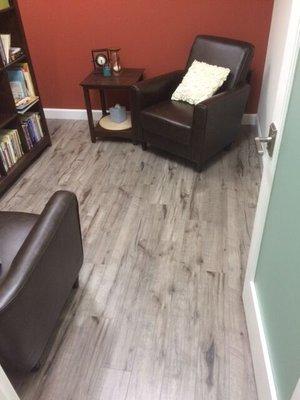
(41, 256)
(195, 132)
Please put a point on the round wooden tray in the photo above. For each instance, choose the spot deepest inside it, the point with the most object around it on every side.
(108, 124)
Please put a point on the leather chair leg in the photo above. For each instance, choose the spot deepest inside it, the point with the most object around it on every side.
(144, 146)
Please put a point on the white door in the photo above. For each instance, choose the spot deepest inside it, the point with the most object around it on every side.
(276, 90)
(7, 392)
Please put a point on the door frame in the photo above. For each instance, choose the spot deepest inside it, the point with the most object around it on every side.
(261, 360)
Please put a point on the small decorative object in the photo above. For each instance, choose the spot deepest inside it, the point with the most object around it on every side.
(106, 70)
(115, 60)
(118, 113)
(100, 59)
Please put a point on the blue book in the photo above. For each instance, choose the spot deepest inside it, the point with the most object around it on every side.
(32, 131)
(18, 84)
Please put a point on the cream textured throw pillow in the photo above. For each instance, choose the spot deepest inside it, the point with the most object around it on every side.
(200, 82)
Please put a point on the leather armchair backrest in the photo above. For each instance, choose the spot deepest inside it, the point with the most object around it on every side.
(223, 52)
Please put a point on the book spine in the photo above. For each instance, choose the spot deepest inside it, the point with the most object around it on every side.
(11, 150)
(38, 119)
(19, 143)
(14, 146)
(6, 155)
(2, 52)
(31, 132)
(27, 135)
(2, 156)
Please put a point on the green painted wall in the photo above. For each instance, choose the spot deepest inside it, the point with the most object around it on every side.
(278, 273)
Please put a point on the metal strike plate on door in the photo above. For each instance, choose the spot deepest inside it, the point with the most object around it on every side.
(270, 141)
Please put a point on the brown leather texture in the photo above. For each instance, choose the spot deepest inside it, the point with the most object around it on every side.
(195, 132)
(233, 54)
(42, 256)
(14, 229)
(173, 119)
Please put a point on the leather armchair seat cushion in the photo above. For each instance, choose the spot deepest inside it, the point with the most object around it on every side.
(171, 119)
(14, 228)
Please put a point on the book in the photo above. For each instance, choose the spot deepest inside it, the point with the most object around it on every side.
(2, 52)
(25, 104)
(4, 4)
(30, 88)
(5, 44)
(10, 147)
(15, 53)
(18, 84)
(32, 128)
(8, 53)
(22, 87)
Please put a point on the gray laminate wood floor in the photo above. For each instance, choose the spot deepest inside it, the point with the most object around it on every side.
(159, 311)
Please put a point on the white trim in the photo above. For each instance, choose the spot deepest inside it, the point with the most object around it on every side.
(7, 392)
(296, 395)
(65, 113)
(265, 383)
(263, 201)
(266, 389)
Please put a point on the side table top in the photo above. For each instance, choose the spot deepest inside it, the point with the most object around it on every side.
(125, 78)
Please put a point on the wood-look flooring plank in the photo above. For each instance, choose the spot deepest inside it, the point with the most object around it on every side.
(159, 313)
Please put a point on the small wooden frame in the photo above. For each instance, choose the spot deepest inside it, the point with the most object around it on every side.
(97, 52)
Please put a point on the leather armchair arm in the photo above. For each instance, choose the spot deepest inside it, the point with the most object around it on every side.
(217, 121)
(56, 236)
(154, 90)
(149, 92)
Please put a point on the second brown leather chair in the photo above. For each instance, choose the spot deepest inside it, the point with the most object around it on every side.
(195, 132)
(41, 256)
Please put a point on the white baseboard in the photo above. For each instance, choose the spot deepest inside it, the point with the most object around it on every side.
(64, 113)
(250, 119)
(296, 395)
(261, 360)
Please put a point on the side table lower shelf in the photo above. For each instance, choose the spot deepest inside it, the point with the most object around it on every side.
(102, 133)
(105, 128)
(120, 82)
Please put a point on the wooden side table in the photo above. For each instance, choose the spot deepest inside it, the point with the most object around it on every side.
(126, 78)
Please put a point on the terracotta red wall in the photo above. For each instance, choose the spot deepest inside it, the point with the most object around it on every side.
(155, 34)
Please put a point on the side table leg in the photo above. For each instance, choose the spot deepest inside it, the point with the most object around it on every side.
(103, 103)
(87, 99)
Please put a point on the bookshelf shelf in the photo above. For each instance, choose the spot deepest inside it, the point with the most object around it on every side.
(10, 118)
(29, 107)
(7, 10)
(11, 64)
(6, 119)
(14, 172)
